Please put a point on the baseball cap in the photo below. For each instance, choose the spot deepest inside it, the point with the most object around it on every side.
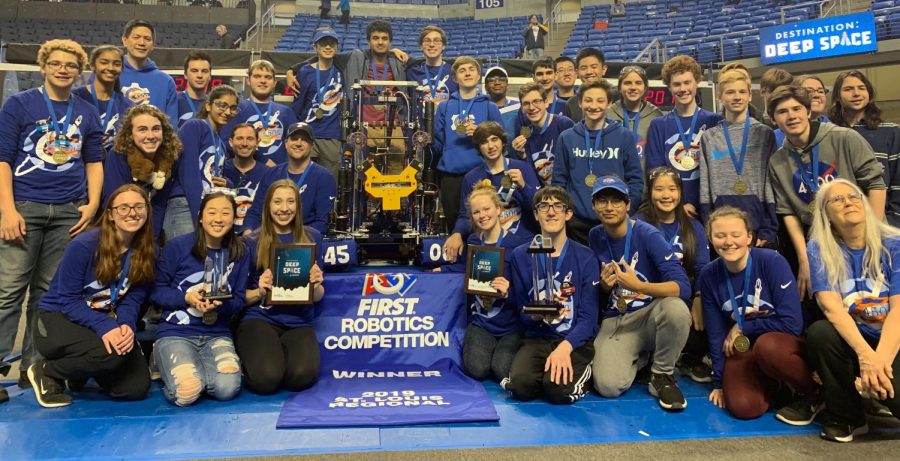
(610, 183)
(323, 33)
(496, 71)
(301, 127)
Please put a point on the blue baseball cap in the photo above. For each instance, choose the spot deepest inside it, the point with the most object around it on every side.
(323, 33)
(610, 183)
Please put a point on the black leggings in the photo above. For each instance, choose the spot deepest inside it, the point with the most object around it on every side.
(274, 357)
(75, 352)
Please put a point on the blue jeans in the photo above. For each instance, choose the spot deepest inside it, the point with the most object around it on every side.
(192, 365)
(31, 266)
(178, 220)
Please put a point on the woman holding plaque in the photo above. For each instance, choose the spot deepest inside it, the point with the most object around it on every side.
(687, 238)
(86, 321)
(200, 285)
(277, 344)
(751, 310)
(855, 349)
(202, 162)
(494, 333)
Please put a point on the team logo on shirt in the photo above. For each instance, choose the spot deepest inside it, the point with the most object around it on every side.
(633, 299)
(827, 173)
(441, 92)
(510, 213)
(109, 131)
(639, 146)
(269, 136)
(41, 144)
(685, 159)
(543, 162)
(99, 299)
(246, 193)
(755, 307)
(191, 283)
(208, 168)
(563, 293)
(136, 94)
(490, 311)
(867, 302)
(331, 100)
(455, 122)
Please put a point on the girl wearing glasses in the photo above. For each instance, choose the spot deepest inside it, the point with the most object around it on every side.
(853, 106)
(86, 321)
(277, 344)
(687, 238)
(751, 308)
(202, 161)
(144, 153)
(854, 350)
(631, 109)
(201, 280)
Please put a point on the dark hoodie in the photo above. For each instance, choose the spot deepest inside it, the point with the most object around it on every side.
(458, 153)
(617, 156)
(843, 153)
(149, 85)
(648, 112)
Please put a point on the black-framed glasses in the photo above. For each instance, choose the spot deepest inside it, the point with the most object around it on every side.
(609, 201)
(125, 210)
(56, 65)
(558, 207)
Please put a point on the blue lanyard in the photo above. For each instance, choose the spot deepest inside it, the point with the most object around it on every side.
(625, 254)
(499, 239)
(320, 89)
(742, 306)
(552, 108)
(262, 119)
(465, 113)
(375, 74)
(637, 121)
(686, 138)
(60, 135)
(505, 167)
(738, 162)
(114, 288)
(302, 176)
(546, 123)
(559, 261)
(110, 105)
(190, 103)
(217, 143)
(811, 183)
(433, 84)
(587, 145)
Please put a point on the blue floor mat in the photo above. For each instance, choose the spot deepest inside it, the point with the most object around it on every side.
(96, 428)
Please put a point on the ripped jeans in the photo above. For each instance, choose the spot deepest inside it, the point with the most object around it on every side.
(195, 364)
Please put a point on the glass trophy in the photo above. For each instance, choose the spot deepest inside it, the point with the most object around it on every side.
(215, 284)
(543, 298)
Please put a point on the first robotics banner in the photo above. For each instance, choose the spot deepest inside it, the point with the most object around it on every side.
(819, 38)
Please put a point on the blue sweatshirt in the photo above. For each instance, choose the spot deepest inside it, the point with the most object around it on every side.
(179, 272)
(195, 167)
(539, 146)
(246, 186)
(316, 196)
(651, 258)
(438, 76)
(672, 234)
(867, 301)
(664, 149)
(517, 214)
(574, 286)
(271, 138)
(502, 317)
(188, 107)
(282, 316)
(149, 85)
(113, 121)
(76, 293)
(617, 156)
(117, 173)
(326, 98)
(458, 153)
(774, 305)
(26, 136)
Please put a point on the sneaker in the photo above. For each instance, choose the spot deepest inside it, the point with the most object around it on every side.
(876, 408)
(700, 373)
(75, 385)
(666, 390)
(643, 374)
(801, 411)
(24, 383)
(840, 432)
(48, 391)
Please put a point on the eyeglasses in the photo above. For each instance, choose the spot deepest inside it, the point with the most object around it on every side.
(125, 210)
(558, 207)
(819, 91)
(535, 103)
(852, 197)
(56, 65)
(224, 107)
(429, 41)
(611, 202)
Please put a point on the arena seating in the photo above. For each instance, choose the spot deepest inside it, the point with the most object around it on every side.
(496, 38)
(411, 2)
(169, 35)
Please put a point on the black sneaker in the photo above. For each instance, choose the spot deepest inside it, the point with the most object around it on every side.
(75, 385)
(643, 374)
(666, 390)
(841, 432)
(48, 391)
(876, 408)
(801, 411)
(24, 383)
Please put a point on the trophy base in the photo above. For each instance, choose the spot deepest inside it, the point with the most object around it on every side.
(219, 297)
(542, 309)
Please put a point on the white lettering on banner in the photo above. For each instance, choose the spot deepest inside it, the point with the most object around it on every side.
(826, 43)
(387, 306)
(388, 399)
(818, 30)
(430, 339)
(345, 374)
(396, 322)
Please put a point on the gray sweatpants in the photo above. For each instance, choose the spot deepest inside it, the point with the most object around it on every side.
(622, 346)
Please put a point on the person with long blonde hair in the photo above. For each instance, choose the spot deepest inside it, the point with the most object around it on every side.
(854, 350)
(87, 319)
(277, 344)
